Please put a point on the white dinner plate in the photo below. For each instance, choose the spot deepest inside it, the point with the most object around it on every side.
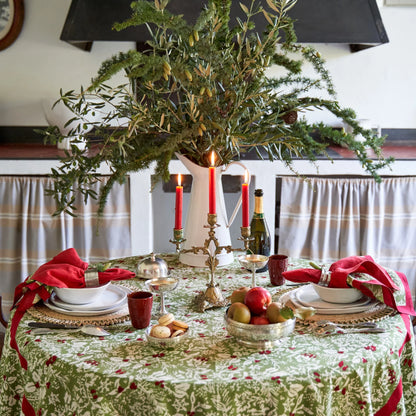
(110, 301)
(338, 309)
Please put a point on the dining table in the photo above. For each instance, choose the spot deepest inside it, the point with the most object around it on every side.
(209, 372)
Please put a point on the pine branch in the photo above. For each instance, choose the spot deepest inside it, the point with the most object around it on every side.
(199, 88)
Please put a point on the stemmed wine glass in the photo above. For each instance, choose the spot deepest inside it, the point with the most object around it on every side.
(253, 262)
(161, 285)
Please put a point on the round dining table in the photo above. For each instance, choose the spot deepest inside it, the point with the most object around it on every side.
(208, 372)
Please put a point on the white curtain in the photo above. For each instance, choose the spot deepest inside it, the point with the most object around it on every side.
(327, 219)
(30, 236)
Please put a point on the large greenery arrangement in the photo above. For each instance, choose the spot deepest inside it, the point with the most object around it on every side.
(202, 87)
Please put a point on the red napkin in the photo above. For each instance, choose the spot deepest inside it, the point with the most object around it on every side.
(365, 275)
(64, 270)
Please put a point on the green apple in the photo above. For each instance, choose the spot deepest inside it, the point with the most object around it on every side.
(277, 314)
(239, 312)
(238, 295)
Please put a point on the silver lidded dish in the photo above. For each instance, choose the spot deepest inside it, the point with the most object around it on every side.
(259, 336)
(152, 267)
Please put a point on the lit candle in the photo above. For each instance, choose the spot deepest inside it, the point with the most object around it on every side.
(245, 200)
(212, 195)
(178, 204)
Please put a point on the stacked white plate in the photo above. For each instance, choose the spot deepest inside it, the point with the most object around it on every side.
(111, 300)
(307, 296)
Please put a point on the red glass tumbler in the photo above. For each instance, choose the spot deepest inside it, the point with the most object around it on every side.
(277, 265)
(140, 308)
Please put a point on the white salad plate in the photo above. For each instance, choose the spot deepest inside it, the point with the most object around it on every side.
(306, 296)
(111, 300)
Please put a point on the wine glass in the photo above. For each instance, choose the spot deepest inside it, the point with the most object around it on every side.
(161, 285)
(253, 262)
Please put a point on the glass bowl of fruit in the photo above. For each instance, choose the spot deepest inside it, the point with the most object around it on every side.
(258, 322)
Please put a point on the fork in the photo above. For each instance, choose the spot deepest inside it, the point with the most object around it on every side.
(337, 330)
(328, 324)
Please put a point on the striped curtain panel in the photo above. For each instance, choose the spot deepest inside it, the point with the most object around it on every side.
(327, 219)
(30, 236)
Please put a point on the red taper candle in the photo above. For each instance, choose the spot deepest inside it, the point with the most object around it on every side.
(212, 193)
(178, 204)
(245, 200)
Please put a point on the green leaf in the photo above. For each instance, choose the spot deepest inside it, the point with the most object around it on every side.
(244, 8)
(286, 312)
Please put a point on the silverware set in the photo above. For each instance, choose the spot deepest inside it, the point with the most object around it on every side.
(328, 328)
(321, 328)
(43, 328)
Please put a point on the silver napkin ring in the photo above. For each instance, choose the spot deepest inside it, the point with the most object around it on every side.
(325, 277)
(91, 278)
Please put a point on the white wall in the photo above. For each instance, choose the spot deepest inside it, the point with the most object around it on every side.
(38, 64)
(379, 83)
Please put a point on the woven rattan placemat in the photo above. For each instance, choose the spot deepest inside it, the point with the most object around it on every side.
(43, 313)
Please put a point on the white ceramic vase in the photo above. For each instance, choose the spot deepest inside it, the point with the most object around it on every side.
(195, 232)
(58, 115)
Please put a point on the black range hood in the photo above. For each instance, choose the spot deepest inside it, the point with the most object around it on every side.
(354, 22)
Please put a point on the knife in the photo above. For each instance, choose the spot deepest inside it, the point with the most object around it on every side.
(51, 325)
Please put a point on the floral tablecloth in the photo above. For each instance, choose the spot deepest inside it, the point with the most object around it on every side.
(209, 373)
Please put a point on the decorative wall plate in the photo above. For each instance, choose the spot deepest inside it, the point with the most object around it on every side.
(11, 21)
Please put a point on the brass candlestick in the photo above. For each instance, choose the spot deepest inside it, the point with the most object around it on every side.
(246, 236)
(212, 297)
(177, 238)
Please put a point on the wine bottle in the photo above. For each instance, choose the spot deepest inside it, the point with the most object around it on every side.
(259, 229)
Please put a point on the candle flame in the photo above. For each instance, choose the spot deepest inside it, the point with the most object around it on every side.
(179, 179)
(246, 176)
(212, 158)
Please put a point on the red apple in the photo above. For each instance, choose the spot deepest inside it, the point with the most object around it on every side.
(257, 299)
(259, 320)
(238, 295)
(239, 312)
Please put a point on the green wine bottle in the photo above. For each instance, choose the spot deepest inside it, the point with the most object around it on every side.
(259, 229)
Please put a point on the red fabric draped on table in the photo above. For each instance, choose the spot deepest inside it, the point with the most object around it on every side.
(375, 282)
(64, 270)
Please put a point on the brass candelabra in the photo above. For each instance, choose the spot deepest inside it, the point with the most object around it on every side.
(212, 297)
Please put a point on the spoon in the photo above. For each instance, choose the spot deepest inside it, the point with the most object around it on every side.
(41, 328)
